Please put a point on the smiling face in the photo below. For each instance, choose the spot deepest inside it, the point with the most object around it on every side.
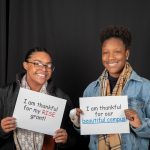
(114, 56)
(37, 75)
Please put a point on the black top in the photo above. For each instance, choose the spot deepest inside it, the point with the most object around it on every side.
(112, 82)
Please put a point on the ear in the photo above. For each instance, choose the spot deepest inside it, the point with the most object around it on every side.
(25, 65)
(127, 54)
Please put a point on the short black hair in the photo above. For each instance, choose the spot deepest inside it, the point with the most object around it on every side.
(36, 49)
(120, 32)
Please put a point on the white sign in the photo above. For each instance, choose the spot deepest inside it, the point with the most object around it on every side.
(38, 112)
(104, 115)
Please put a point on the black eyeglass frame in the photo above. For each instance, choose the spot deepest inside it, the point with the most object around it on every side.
(47, 66)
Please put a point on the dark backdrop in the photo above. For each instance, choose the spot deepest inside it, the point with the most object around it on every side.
(70, 30)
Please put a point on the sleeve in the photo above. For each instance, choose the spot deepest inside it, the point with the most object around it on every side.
(3, 135)
(144, 129)
(93, 89)
(74, 138)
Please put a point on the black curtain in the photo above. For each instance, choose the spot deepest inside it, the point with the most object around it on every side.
(70, 30)
(3, 41)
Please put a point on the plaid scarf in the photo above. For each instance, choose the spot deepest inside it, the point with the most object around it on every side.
(112, 141)
(25, 139)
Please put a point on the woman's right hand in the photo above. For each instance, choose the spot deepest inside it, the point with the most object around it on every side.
(75, 116)
(8, 124)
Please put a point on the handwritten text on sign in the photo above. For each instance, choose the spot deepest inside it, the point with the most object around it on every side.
(104, 115)
(38, 112)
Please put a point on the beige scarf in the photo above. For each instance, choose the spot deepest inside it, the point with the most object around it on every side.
(112, 141)
(26, 139)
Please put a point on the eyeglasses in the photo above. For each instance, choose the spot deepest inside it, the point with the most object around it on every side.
(39, 65)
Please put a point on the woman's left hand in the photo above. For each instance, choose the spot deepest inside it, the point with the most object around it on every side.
(60, 136)
(133, 118)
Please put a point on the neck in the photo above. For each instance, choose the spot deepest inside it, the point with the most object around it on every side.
(33, 87)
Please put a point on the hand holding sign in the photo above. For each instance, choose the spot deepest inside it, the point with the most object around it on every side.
(75, 116)
(60, 136)
(8, 124)
(133, 118)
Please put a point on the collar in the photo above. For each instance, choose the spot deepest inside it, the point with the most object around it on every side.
(97, 83)
(135, 76)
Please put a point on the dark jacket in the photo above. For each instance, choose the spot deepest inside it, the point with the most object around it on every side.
(8, 97)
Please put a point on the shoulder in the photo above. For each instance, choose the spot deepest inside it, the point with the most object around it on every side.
(8, 88)
(139, 79)
(60, 93)
(92, 88)
(139, 85)
(92, 84)
(55, 91)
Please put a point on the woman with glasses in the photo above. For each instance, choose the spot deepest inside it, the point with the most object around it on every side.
(119, 78)
(39, 68)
